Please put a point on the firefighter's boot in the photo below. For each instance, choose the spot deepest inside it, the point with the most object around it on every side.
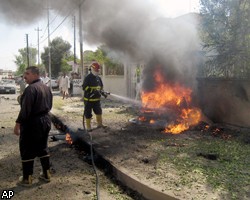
(45, 174)
(26, 178)
(99, 122)
(88, 124)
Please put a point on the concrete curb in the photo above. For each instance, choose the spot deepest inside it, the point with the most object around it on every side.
(133, 183)
(121, 174)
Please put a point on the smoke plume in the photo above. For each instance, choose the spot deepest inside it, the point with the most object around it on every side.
(132, 28)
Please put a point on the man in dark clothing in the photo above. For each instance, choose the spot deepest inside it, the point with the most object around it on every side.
(93, 89)
(33, 125)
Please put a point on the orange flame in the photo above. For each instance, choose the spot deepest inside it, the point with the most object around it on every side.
(165, 94)
(189, 117)
(173, 96)
(142, 118)
(68, 139)
(152, 121)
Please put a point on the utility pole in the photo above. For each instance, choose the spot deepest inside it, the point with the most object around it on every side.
(49, 47)
(27, 50)
(74, 24)
(80, 34)
(38, 54)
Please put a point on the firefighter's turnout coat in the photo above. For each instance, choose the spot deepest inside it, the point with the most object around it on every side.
(93, 88)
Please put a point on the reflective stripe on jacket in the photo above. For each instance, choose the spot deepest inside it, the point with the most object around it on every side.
(92, 87)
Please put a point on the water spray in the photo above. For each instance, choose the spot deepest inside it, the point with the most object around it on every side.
(126, 99)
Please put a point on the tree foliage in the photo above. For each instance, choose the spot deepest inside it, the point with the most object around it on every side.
(99, 55)
(104, 56)
(21, 59)
(226, 34)
(59, 50)
(65, 63)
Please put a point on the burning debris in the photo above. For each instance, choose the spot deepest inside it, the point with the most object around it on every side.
(169, 104)
(219, 132)
(69, 136)
(68, 139)
(58, 123)
(66, 134)
(214, 130)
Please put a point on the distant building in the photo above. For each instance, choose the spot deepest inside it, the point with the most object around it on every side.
(7, 74)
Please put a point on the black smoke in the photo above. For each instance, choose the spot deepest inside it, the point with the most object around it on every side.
(132, 29)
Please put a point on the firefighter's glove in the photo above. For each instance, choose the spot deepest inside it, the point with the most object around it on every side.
(105, 95)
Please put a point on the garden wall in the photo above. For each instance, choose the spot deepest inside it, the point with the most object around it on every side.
(225, 100)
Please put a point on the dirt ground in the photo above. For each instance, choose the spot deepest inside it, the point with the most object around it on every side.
(73, 178)
(129, 145)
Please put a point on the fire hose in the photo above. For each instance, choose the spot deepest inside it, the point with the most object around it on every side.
(105, 94)
(92, 159)
(60, 126)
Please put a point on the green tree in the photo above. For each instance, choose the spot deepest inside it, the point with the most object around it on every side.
(66, 67)
(21, 59)
(59, 50)
(88, 56)
(226, 34)
(103, 56)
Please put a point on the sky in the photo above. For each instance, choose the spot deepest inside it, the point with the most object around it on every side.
(13, 35)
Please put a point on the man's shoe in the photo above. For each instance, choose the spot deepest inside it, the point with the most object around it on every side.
(25, 182)
(45, 177)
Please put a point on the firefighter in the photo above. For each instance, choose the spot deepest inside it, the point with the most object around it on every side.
(33, 125)
(93, 90)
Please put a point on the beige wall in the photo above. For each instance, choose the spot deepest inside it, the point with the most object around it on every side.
(226, 101)
(115, 85)
(124, 85)
(121, 85)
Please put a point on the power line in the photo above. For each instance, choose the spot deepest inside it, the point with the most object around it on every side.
(44, 31)
(51, 21)
(82, 1)
(59, 25)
